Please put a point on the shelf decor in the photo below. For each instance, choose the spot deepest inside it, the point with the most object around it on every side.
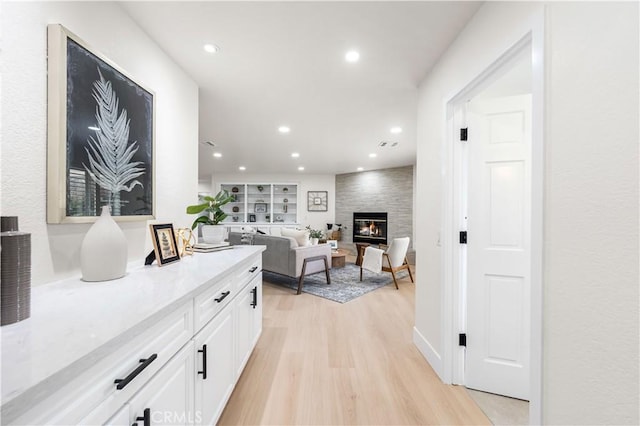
(317, 201)
(100, 136)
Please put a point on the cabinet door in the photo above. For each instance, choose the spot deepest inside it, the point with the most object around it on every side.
(249, 321)
(215, 376)
(168, 397)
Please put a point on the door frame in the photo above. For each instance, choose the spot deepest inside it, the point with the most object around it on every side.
(454, 255)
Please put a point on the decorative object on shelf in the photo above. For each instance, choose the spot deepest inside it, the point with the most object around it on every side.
(260, 188)
(234, 218)
(235, 209)
(101, 136)
(186, 241)
(314, 235)
(234, 189)
(279, 219)
(15, 273)
(164, 243)
(285, 189)
(317, 201)
(211, 231)
(103, 253)
(267, 218)
(252, 217)
(260, 208)
(285, 200)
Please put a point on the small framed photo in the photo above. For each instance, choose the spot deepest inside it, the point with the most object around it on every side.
(260, 208)
(333, 244)
(164, 243)
(252, 217)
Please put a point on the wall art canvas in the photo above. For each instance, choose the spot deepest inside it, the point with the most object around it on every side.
(100, 136)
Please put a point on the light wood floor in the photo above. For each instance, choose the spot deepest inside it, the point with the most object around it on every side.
(325, 363)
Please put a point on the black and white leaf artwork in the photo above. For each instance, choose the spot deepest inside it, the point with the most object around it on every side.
(110, 153)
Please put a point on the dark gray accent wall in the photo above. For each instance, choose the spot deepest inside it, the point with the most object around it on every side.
(387, 190)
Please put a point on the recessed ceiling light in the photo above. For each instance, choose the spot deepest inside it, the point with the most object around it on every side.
(373, 155)
(360, 169)
(242, 168)
(284, 129)
(301, 168)
(295, 155)
(211, 48)
(352, 56)
(396, 130)
(217, 154)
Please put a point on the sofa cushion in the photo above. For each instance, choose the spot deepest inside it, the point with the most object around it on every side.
(301, 236)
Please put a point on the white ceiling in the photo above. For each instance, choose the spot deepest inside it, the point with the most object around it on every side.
(282, 63)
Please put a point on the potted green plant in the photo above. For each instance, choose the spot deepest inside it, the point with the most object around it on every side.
(314, 235)
(212, 232)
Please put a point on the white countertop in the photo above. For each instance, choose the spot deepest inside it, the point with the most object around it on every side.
(73, 322)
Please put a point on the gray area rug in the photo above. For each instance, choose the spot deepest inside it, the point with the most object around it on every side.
(345, 282)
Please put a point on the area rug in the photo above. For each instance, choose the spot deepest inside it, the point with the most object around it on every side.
(345, 282)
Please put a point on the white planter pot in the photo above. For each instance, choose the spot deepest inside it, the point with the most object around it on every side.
(314, 241)
(213, 234)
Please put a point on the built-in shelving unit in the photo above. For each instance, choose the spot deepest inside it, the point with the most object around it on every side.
(262, 203)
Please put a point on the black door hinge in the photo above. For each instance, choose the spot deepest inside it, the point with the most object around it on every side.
(463, 134)
(463, 237)
(462, 339)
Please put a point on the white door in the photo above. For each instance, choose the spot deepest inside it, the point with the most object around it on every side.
(499, 246)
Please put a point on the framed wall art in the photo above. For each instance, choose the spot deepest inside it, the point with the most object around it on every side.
(260, 208)
(164, 243)
(101, 138)
(317, 201)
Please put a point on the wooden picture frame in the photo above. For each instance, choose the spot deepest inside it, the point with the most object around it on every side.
(165, 245)
(96, 154)
(317, 201)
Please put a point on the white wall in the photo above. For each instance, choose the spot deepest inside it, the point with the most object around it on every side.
(105, 27)
(306, 182)
(591, 323)
(591, 320)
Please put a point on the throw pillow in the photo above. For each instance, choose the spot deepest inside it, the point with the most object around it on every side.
(276, 231)
(301, 236)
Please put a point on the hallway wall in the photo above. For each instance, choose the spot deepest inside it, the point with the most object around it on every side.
(590, 276)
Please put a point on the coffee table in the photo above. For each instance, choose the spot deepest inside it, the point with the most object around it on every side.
(338, 258)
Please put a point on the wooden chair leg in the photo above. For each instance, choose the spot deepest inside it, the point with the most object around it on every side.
(393, 274)
(326, 271)
(409, 269)
(304, 266)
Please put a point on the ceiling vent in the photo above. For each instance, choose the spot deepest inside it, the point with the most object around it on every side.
(387, 144)
(209, 143)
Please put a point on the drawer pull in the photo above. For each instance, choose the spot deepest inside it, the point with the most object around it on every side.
(146, 417)
(252, 270)
(121, 383)
(254, 302)
(221, 298)
(204, 362)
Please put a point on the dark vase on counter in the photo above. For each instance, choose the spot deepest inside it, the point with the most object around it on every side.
(16, 272)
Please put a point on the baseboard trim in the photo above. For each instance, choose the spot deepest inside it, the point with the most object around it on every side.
(428, 352)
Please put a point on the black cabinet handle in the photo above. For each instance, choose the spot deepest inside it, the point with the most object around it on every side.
(221, 298)
(252, 270)
(254, 303)
(144, 364)
(203, 351)
(146, 417)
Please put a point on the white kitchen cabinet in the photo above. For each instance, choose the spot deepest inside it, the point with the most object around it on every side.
(215, 361)
(128, 362)
(249, 321)
(167, 399)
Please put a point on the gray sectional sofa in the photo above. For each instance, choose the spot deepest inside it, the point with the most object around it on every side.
(284, 256)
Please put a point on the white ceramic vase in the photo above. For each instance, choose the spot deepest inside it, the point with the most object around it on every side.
(103, 254)
(314, 241)
(213, 234)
